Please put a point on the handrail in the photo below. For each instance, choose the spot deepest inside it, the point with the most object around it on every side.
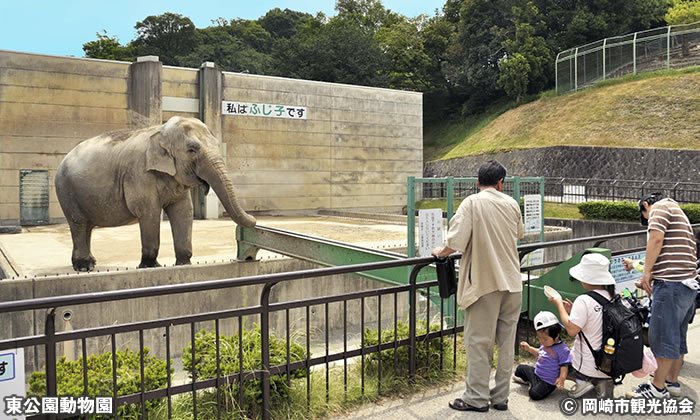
(96, 297)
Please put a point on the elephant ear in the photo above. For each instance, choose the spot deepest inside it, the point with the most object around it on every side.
(157, 157)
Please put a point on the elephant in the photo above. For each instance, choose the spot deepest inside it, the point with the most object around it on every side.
(124, 176)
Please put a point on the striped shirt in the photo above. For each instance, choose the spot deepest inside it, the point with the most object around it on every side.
(677, 258)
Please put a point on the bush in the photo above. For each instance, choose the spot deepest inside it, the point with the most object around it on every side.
(69, 378)
(205, 364)
(627, 211)
(423, 358)
(692, 211)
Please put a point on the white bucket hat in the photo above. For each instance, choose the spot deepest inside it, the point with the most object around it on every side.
(544, 319)
(593, 269)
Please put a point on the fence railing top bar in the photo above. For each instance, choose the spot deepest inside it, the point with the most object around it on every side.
(663, 30)
(96, 297)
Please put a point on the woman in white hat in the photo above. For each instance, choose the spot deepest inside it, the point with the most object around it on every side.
(585, 314)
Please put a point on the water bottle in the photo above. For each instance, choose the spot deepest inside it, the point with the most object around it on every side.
(608, 356)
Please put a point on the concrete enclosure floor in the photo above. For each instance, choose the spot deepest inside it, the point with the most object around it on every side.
(46, 250)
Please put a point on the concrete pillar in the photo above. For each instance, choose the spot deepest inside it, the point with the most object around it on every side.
(145, 92)
(211, 82)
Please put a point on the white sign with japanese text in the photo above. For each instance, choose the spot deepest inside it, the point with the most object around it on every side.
(430, 231)
(11, 383)
(263, 110)
(533, 213)
(625, 279)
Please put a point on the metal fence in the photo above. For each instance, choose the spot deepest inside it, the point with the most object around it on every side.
(418, 337)
(579, 190)
(670, 47)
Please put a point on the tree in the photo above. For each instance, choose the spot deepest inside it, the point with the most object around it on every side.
(338, 51)
(108, 48)
(514, 75)
(683, 12)
(168, 36)
(283, 23)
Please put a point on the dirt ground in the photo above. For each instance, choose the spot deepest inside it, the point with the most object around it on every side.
(42, 250)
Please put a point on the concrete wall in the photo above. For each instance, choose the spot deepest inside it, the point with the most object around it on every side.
(354, 151)
(582, 162)
(47, 106)
(29, 323)
(586, 228)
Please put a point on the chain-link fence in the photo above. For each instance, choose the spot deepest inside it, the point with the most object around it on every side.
(670, 47)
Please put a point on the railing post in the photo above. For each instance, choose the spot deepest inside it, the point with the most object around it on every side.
(675, 187)
(50, 333)
(556, 73)
(634, 53)
(668, 48)
(265, 347)
(576, 69)
(450, 199)
(605, 41)
(411, 216)
(412, 316)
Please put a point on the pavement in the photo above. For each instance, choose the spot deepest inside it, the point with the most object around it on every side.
(432, 403)
(46, 250)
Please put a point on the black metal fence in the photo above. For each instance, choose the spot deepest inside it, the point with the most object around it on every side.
(50, 338)
(579, 190)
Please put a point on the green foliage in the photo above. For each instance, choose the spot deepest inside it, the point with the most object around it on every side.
(627, 211)
(426, 360)
(692, 211)
(683, 11)
(514, 75)
(205, 364)
(169, 36)
(609, 210)
(108, 48)
(69, 377)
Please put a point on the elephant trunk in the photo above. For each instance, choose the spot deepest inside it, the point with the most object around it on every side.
(214, 173)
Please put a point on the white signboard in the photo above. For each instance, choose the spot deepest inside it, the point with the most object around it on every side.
(252, 109)
(623, 278)
(11, 383)
(533, 213)
(429, 231)
(536, 257)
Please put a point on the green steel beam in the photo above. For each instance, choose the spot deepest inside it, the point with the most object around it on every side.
(322, 251)
(331, 253)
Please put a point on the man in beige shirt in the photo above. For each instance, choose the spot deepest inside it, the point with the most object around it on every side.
(485, 230)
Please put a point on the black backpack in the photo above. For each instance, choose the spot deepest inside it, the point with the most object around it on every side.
(624, 325)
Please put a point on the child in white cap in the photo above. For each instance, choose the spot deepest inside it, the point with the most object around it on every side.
(553, 359)
(586, 315)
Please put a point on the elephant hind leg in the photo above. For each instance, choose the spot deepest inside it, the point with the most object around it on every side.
(150, 239)
(82, 258)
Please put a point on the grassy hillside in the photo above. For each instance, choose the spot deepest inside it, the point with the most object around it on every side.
(649, 110)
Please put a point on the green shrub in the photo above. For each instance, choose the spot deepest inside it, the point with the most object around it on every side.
(692, 211)
(69, 378)
(205, 364)
(626, 211)
(423, 358)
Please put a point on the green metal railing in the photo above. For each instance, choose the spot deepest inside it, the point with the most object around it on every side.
(514, 186)
(670, 47)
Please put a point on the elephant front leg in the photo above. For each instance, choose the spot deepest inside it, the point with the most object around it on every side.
(150, 239)
(81, 258)
(180, 214)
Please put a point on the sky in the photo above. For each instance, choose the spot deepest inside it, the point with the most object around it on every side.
(62, 27)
